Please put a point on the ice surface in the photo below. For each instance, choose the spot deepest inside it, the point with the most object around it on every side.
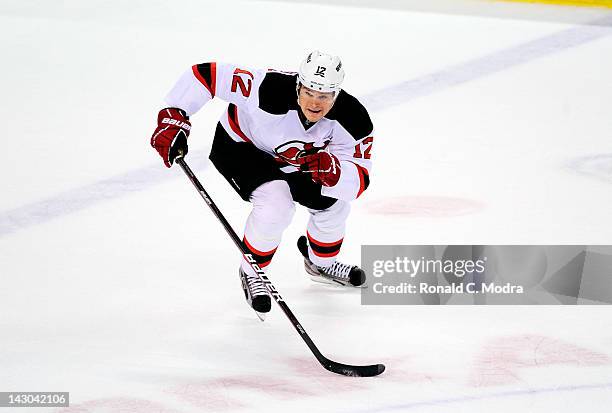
(119, 286)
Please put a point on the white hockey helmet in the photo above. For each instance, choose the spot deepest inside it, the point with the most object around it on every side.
(321, 72)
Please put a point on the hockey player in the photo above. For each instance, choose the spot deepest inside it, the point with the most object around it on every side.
(285, 138)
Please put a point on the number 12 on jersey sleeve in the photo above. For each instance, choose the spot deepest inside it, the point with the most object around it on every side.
(367, 144)
(238, 82)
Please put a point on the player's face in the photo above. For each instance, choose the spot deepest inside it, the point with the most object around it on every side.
(315, 104)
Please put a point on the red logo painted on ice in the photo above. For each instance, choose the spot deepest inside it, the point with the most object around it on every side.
(292, 150)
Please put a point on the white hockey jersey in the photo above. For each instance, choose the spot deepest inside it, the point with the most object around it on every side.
(263, 111)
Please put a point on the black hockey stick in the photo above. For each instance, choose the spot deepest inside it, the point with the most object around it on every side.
(339, 368)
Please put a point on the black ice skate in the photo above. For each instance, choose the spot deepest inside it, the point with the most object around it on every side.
(337, 273)
(255, 293)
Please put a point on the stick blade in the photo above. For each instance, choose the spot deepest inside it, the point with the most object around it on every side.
(354, 371)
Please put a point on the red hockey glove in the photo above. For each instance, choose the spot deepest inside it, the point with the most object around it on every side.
(324, 166)
(170, 137)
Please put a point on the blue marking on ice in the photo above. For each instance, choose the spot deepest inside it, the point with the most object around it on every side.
(596, 166)
(493, 396)
(140, 179)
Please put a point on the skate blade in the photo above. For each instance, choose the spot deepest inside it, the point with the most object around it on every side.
(323, 280)
(320, 279)
(261, 316)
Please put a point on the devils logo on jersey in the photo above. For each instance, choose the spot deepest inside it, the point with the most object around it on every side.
(292, 150)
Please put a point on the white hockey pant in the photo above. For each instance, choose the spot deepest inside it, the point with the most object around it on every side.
(273, 210)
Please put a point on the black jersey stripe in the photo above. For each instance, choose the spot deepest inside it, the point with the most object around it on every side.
(232, 117)
(206, 73)
(364, 179)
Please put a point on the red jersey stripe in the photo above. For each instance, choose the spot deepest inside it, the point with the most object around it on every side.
(362, 173)
(232, 113)
(213, 75)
